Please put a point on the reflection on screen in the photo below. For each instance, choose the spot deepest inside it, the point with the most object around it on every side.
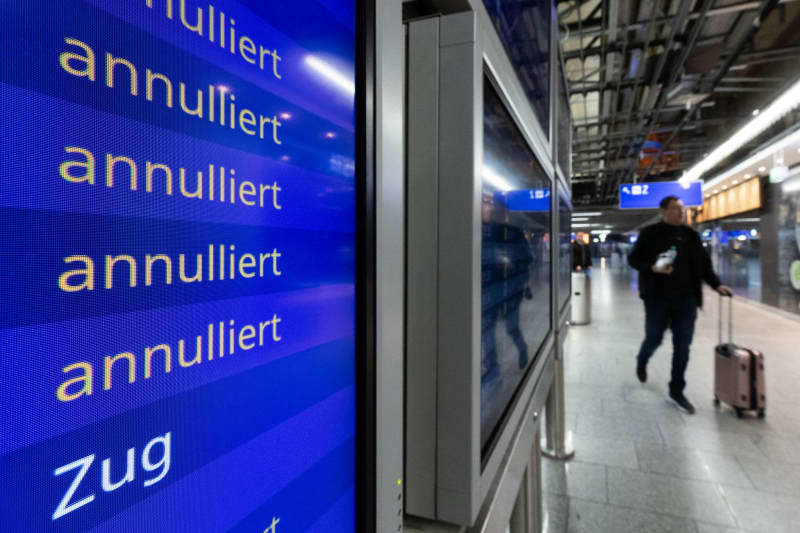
(515, 261)
(564, 249)
(177, 272)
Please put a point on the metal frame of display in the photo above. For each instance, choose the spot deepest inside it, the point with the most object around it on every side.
(388, 197)
(447, 477)
(365, 266)
(555, 444)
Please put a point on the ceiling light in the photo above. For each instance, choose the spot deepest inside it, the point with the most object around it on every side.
(335, 77)
(782, 105)
(587, 214)
(756, 112)
(708, 196)
(715, 191)
(491, 176)
(762, 169)
(581, 219)
(736, 182)
(724, 187)
(747, 176)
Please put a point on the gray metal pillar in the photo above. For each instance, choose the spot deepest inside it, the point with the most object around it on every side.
(519, 516)
(526, 516)
(534, 478)
(555, 431)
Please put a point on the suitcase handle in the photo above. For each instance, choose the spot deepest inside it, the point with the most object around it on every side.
(730, 319)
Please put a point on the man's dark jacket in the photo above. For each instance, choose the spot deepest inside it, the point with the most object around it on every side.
(658, 238)
(581, 256)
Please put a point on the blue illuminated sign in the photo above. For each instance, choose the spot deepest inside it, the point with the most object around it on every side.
(537, 200)
(177, 241)
(649, 195)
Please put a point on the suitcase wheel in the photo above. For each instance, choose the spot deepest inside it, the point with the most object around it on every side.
(739, 412)
(762, 413)
(716, 401)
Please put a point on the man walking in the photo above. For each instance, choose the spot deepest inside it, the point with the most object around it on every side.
(672, 265)
(581, 255)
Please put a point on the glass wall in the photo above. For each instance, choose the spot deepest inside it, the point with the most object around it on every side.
(785, 291)
(735, 250)
(524, 29)
(758, 253)
(515, 260)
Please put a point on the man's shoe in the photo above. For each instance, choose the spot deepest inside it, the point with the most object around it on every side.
(523, 359)
(641, 373)
(682, 402)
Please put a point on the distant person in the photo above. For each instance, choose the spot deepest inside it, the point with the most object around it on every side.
(672, 265)
(619, 252)
(581, 255)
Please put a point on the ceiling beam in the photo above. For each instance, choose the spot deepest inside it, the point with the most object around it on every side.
(593, 26)
(617, 46)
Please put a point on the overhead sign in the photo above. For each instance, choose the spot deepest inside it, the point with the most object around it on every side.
(525, 199)
(177, 241)
(649, 195)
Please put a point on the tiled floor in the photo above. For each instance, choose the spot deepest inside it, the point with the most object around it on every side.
(641, 465)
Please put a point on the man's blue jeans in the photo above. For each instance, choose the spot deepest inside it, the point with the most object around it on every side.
(679, 314)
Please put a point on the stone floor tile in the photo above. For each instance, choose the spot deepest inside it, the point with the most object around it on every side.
(573, 478)
(590, 517)
(658, 493)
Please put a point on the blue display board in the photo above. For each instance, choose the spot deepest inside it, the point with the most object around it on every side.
(531, 200)
(649, 195)
(177, 243)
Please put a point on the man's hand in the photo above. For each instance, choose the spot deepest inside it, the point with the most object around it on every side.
(578, 268)
(663, 270)
(724, 291)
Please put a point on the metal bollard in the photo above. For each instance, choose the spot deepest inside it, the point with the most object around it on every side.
(555, 431)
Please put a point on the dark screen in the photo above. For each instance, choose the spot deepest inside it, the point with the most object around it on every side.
(524, 29)
(515, 261)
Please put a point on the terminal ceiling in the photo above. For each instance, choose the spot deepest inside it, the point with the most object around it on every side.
(656, 84)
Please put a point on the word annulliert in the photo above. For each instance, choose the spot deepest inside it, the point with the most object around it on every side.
(221, 263)
(211, 23)
(217, 105)
(217, 185)
(221, 339)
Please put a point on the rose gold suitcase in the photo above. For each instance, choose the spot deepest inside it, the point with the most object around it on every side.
(738, 373)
